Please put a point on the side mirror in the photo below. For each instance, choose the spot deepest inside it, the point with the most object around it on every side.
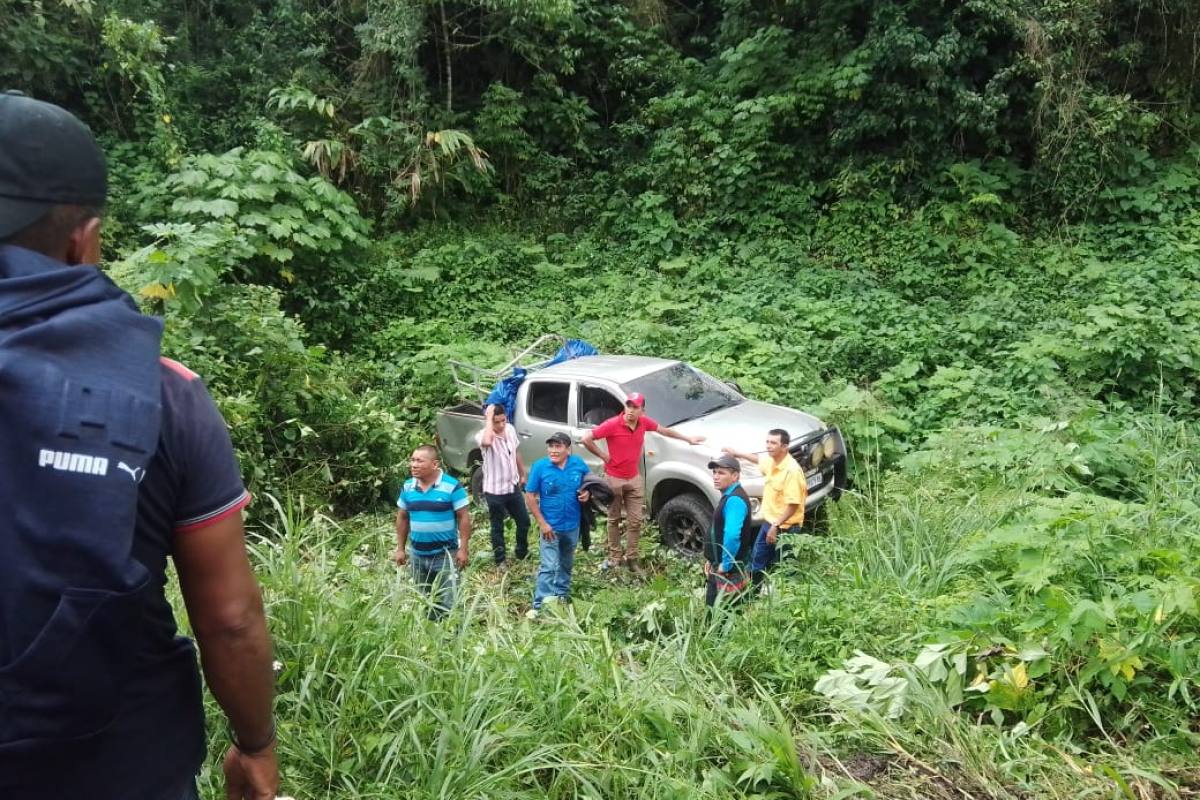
(734, 385)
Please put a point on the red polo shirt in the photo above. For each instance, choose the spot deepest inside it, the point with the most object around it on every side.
(624, 445)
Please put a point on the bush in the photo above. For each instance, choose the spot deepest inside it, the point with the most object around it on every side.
(245, 215)
(302, 421)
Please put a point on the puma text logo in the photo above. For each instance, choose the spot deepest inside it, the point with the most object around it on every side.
(137, 473)
(73, 462)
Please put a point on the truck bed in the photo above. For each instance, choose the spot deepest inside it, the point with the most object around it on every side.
(465, 409)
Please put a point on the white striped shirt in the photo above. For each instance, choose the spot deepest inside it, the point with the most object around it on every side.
(500, 474)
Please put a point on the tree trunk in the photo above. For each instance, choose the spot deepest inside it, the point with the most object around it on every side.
(446, 53)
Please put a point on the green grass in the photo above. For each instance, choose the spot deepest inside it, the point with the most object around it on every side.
(633, 693)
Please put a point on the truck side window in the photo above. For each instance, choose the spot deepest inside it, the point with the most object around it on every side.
(548, 400)
(597, 405)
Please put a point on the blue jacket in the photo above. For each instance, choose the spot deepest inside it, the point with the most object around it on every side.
(80, 410)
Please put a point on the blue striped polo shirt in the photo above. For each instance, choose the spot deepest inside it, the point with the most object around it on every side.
(431, 513)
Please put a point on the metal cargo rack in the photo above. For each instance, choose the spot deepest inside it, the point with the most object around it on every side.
(474, 383)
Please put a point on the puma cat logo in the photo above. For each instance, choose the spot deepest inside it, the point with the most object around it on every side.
(137, 473)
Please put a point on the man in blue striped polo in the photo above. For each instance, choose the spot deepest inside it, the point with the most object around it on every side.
(433, 514)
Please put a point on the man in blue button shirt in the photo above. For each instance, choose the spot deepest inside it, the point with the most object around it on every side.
(553, 495)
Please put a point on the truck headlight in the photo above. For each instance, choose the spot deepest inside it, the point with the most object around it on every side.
(829, 446)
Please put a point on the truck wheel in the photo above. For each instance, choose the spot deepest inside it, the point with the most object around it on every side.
(476, 483)
(683, 523)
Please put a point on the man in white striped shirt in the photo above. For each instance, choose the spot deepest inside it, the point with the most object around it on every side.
(503, 475)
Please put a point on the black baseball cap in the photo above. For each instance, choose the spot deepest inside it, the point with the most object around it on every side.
(559, 437)
(725, 462)
(47, 158)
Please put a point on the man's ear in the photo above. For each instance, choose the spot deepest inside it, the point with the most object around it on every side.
(84, 244)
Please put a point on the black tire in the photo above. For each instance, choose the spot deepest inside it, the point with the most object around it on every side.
(683, 522)
(475, 483)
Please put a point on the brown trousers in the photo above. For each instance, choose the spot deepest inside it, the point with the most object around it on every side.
(629, 495)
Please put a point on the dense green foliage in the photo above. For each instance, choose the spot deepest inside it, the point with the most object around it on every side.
(968, 233)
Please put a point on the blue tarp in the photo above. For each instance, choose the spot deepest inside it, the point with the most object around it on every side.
(505, 392)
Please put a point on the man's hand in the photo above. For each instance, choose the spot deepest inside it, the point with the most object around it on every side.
(707, 569)
(462, 557)
(729, 451)
(772, 534)
(583, 495)
(547, 531)
(253, 777)
(489, 412)
(694, 439)
(401, 556)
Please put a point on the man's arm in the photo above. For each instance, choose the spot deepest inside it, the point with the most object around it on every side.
(795, 492)
(226, 613)
(788, 510)
(402, 528)
(485, 440)
(589, 442)
(522, 471)
(729, 451)
(671, 433)
(735, 517)
(463, 517)
(535, 511)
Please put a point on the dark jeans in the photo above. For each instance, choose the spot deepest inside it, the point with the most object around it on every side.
(729, 590)
(508, 505)
(437, 577)
(766, 555)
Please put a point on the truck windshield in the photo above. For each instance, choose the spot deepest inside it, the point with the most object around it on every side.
(679, 393)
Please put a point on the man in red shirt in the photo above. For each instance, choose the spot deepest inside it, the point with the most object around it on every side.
(625, 434)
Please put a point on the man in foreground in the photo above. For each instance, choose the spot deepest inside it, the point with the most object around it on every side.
(730, 537)
(503, 472)
(553, 494)
(111, 460)
(625, 435)
(432, 510)
(784, 495)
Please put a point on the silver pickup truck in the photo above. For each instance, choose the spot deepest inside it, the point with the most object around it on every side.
(576, 395)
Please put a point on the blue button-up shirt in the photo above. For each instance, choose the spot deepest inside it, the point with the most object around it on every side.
(556, 489)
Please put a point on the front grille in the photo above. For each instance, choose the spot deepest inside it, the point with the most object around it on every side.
(802, 449)
(830, 470)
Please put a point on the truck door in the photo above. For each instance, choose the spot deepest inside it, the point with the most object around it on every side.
(594, 404)
(546, 410)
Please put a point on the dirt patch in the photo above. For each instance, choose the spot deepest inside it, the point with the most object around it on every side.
(865, 768)
(897, 779)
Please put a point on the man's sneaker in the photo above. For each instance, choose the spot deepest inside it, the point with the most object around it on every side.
(532, 613)
(609, 564)
(502, 566)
